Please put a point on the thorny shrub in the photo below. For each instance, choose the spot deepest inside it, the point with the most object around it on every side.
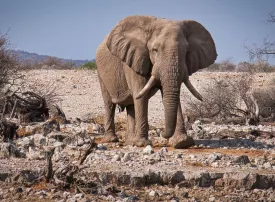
(8, 68)
(224, 99)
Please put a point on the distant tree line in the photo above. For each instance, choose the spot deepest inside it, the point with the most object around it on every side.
(250, 67)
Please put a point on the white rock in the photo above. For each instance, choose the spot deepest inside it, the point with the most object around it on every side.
(101, 147)
(66, 194)
(267, 165)
(116, 158)
(25, 142)
(212, 199)
(152, 193)
(163, 150)
(80, 195)
(39, 139)
(126, 157)
(148, 150)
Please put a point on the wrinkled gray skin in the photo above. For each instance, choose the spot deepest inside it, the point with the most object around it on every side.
(141, 55)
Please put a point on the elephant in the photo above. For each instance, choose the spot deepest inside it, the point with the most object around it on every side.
(144, 54)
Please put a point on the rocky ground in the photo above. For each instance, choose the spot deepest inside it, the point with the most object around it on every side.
(53, 161)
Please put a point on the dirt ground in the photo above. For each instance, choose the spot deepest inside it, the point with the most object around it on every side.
(237, 169)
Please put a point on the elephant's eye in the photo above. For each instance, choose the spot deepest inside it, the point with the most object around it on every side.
(155, 50)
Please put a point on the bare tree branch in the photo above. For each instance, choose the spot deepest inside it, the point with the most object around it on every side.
(267, 48)
(271, 17)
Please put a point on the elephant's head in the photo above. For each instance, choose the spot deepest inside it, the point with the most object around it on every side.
(167, 51)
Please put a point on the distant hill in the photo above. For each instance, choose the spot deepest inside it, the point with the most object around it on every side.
(24, 55)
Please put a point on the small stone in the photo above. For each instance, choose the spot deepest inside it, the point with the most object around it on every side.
(11, 189)
(267, 165)
(163, 150)
(158, 131)
(101, 147)
(133, 198)
(19, 190)
(78, 196)
(116, 158)
(212, 199)
(110, 198)
(123, 194)
(148, 150)
(126, 157)
(214, 157)
(184, 194)
(25, 142)
(39, 139)
(59, 144)
(201, 146)
(28, 190)
(152, 194)
(243, 160)
(178, 156)
(215, 164)
(71, 200)
(41, 196)
(66, 194)
(80, 142)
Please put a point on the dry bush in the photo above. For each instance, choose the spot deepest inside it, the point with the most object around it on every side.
(257, 67)
(8, 68)
(48, 63)
(46, 90)
(226, 66)
(224, 100)
(266, 101)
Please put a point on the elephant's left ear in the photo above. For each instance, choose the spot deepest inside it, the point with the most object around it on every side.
(202, 50)
(128, 41)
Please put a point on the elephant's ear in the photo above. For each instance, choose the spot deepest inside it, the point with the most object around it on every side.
(201, 51)
(128, 41)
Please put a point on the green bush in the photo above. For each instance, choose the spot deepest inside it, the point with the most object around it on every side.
(89, 65)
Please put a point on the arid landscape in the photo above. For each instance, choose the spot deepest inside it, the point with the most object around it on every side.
(213, 64)
(228, 162)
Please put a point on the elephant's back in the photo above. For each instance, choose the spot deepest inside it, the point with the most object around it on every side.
(110, 70)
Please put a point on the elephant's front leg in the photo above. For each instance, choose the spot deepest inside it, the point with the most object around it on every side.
(180, 140)
(137, 124)
(141, 120)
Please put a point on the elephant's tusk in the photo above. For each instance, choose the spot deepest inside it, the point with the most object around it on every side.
(147, 87)
(193, 90)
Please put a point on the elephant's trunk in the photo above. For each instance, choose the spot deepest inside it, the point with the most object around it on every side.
(171, 92)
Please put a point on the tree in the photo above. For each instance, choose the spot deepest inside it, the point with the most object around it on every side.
(89, 65)
(267, 48)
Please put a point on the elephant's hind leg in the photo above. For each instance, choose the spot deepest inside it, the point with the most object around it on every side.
(131, 124)
(180, 140)
(109, 125)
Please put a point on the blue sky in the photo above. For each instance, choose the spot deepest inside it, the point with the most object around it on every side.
(73, 29)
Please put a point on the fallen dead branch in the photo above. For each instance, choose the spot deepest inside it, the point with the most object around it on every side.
(24, 108)
(87, 152)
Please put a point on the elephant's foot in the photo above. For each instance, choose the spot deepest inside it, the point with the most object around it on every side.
(181, 141)
(142, 142)
(109, 137)
(139, 141)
